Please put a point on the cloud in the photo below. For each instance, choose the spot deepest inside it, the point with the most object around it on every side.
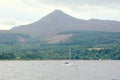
(8, 23)
(85, 9)
(74, 3)
(18, 12)
(4, 27)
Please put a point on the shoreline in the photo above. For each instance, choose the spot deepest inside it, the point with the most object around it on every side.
(58, 60)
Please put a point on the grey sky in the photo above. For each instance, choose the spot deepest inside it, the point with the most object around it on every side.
(74, 3)
(18, 12)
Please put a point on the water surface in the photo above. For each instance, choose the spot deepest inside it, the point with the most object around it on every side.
(55, 70)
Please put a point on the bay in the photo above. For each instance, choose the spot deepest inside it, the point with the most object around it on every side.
(56, 70)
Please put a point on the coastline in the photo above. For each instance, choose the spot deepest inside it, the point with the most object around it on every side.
(58, 60)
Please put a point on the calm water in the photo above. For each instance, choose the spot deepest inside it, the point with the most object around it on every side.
(55, 70)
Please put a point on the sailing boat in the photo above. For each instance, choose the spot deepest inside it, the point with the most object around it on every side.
(70, 61)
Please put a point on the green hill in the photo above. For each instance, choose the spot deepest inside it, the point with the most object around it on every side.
(85, 45)
(92, 38)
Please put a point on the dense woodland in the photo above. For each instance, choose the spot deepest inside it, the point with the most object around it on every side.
(85, 45)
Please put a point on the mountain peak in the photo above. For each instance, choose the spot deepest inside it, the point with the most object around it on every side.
(58, 21)
(57, 11)
(57, 15)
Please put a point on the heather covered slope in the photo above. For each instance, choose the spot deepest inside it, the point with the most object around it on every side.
(58, 21)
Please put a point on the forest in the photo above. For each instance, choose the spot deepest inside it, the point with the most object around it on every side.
(85, 45)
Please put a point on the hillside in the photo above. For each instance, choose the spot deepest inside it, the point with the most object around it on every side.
(85, 45)
(58, 21)
(91, 38)
(88, 39)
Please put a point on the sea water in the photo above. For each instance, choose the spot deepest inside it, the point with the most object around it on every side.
(56, 70)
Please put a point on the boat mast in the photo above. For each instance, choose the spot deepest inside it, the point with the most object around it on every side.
(69, 53)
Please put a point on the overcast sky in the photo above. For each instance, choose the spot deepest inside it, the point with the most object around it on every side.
(19, 12)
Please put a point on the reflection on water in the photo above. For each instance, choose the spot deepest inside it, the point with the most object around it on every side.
(55, 70)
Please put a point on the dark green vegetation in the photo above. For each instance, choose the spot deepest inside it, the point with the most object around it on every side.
(85, 45)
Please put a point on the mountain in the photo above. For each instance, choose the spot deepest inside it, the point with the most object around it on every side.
(58, 21)
(51, 36)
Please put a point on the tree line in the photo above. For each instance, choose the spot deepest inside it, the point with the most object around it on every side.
(85, 45)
